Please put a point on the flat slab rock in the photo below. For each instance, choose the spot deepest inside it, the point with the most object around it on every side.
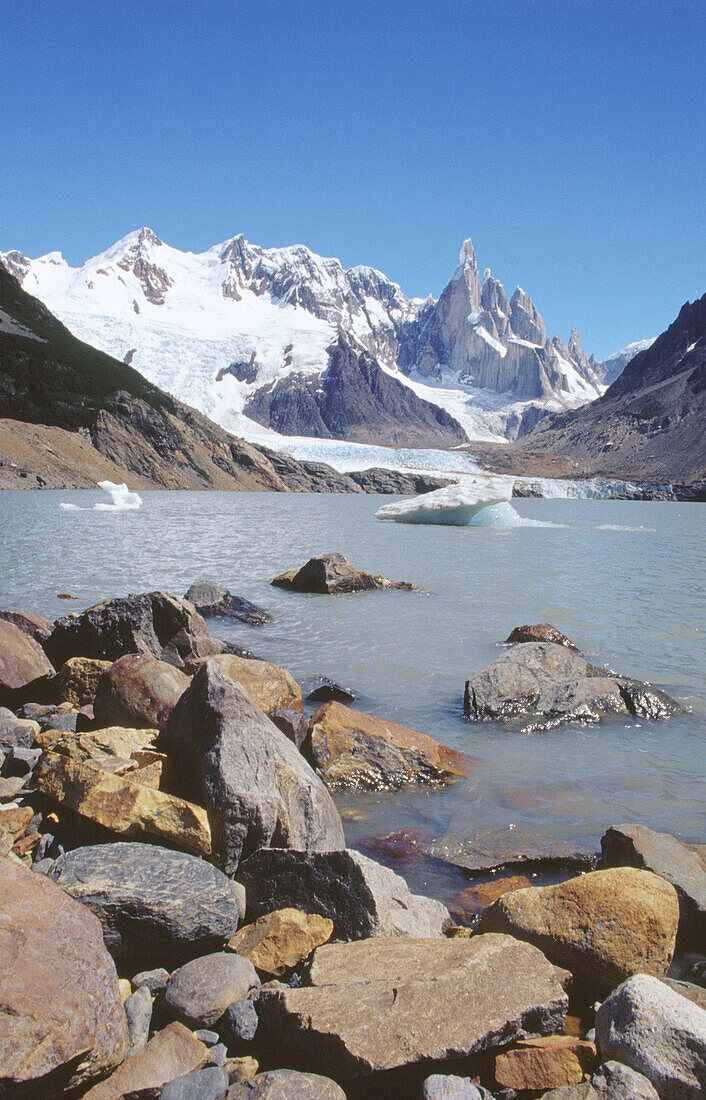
(154, 905)
(173, 1052)
(334, 575)
(382, 1003)
(509, 849)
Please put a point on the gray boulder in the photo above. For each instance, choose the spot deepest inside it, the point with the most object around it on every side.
(138, 1010)
(257, 787)
(360, 896)
(538, 685)
(442, 1086)
(156, 906)
(138, 691)
(647, 1026)
(684, 865)
(16, 732)
(333, 575)
(198, 993)
(287, 1084)
(239, 1025)
(292, 723)
(611, 1081)
(205, 1084)
(695, 993)
(210, 598)
(155, 623)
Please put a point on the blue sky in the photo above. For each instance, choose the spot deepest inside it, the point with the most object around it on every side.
(567, 138)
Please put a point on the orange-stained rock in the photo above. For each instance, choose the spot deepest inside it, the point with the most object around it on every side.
(477, 898)
(545, 1063)
(77, 680)
(173, 1052)
(279, 941)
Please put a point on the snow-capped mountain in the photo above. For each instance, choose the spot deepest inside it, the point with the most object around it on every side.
(612, 367)
(241, 332)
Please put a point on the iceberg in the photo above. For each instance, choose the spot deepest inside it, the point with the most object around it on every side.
(455, 506)
(122, 499)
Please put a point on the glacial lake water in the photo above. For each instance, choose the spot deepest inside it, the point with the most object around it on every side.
(625, 580)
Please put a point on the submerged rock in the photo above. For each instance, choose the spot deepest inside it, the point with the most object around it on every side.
(138, 690)
(328, 691)
(210, 598)
(352, 750)
(333, 574)
(539, 632)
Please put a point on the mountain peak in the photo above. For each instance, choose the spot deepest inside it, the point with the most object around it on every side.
(467, 254)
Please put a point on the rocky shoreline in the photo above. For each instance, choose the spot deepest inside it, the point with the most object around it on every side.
(181, 918)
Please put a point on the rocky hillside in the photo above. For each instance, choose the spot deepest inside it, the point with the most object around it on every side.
(72, 416)
(650, 422)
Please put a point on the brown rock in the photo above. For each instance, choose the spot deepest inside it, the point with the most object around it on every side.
(122, 806)
(14, 821)
(477, 898)
(241, 1069)
(603, 926)
(27, 622)
(281, 940)
(139, 690)
(26, 845)
(63, 1024)
(22, 661)
(173, 1052)
(539, 632)
(356, 750)
(77, 680)
(545, 1063)
(334, 575)
(267, 685)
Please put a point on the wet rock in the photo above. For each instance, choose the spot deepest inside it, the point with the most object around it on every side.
(22, 662)
(328, 691)
(63, 1024)
(77, 680)
(548, 1062)
(267, 685)
(258, 788)
(210, 598)
(683, 865)
(124, 807)
(333, 574)
(352, 750)
(509, 849)
(199, 992)
(155, 981)
(361, 897)
(138, 1011)
(474, 899)
(611, 1081)
(16, 732)
(155, 905)
(239, 1024)
(653, 1030)
(291, 723)
(172, 1053)
(539, 632)
(603, 926)
(287, 1084)
(279, 941)
(370, 1002)
(210, 1083)
(154, 623)
(138, 690)
(539, 685)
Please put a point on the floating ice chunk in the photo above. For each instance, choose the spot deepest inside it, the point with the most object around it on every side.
(121, 498)
(454, 506)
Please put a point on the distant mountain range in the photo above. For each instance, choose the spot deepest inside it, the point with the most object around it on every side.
(285, 341)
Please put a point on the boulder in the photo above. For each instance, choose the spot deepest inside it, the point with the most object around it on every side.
(287, 1084)
(14, 821)
(156, 906)
(22, 661)
(154, 623)
(334, 575)
(139, 690)
(63, 1024)
(538, 685)
(695, 993)
(77, 680)
(360, 896)
(611, 1081)
(210, 1083)
(210, 598)
(603, 926)
(16, 732)
(118, 804)
(258, 788)
(683, 865)
(352, 750)
(370, 1003)
(544, 1063)
(279, 941)
(33, 625)
(538, 632)
(173, 1052)
(328, 691)
(199, 992)
(658, 1033)
(267, 685)
(291, 723)
(155, 980)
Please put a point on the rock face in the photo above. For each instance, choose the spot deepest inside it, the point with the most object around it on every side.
(258, 788)
(287, 1084)
(22, 660)
(154, 905)
(173, 1052)
(361, 897)
(122, 805)
(334, 575)
(541, 685)
(210, 598)
(62, 1020)
(138, 690)
(352, 750)
(658, 1033)
(370, 1003)
(539, 632)
(681, 864)
(77, 680)
(279, 941)
(268, 686)
(200, 991)
(155, 623)
(603, 926)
